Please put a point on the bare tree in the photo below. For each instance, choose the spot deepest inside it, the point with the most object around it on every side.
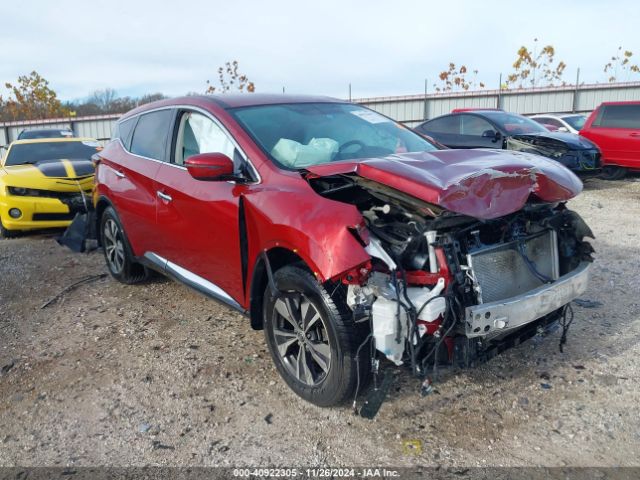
(230, 79)
(103, 99)
(457, 79)
(534, 68)
(620, 65)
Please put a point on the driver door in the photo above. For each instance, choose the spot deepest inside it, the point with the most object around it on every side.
(199, 220)
(476, 132)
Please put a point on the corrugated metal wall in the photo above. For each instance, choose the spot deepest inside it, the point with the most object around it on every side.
(413, 109)
(98, 127)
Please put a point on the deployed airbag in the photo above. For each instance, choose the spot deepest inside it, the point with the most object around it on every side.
(297, 155)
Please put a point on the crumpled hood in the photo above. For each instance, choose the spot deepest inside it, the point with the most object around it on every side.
(483, 184)
(564, 140)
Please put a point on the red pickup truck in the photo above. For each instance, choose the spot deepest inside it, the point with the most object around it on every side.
(615, 128)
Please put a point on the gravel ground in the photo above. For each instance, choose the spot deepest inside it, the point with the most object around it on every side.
(155, 374)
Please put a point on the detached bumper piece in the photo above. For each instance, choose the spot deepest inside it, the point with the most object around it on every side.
(512, 313)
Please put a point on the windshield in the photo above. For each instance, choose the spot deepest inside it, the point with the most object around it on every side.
(31, 134)
(36, 152)
(513, 123)
(576, 121)
(299, 135)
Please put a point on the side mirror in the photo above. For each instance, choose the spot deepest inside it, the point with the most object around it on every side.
(210, 166)
(492, 134)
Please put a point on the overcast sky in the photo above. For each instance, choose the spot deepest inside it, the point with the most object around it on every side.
(380, 47)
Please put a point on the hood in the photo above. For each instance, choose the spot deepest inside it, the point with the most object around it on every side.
(50, 174)
(561, 140)
(483, 184)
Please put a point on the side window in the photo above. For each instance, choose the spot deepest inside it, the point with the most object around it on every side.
(449, 124)
(197, 133)
(150, 134)
(549, 121)
(476, 126)
(620, 116)
(124, 130)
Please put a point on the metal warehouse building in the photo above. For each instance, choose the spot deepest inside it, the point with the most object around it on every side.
(411, 109)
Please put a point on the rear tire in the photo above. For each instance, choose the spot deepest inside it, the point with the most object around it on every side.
(313, 339)
(117, 251)
(613, 172)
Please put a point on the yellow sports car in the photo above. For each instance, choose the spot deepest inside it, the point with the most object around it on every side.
(45, 182)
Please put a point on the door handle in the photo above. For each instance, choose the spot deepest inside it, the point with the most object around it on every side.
(634, 134)
(119, 174)
(164, 196)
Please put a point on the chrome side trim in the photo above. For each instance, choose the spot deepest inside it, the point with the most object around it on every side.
(192, 280)
(503, 315)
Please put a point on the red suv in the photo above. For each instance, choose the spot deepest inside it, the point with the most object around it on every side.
(615, 128)
(344, 235)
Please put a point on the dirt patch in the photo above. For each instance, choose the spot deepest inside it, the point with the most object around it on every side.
(156, 374)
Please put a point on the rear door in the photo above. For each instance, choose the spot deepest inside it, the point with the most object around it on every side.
(616, 130)
(130, 172)
(445, 129)
(199, 220)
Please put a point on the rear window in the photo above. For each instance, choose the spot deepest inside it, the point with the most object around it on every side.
(57, 133)
(36, 152)
(124, 130)
(150, 135)
(619, 116)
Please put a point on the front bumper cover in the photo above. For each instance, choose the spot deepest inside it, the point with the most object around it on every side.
(512, 313)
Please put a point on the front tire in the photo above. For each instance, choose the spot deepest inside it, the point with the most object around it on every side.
(613, 172)
(313, 339)
(4, 233)
(117, 251)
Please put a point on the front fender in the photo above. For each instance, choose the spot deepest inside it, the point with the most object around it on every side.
(314, 228)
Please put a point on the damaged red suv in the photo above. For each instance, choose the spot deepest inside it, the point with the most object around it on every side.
(344, 235)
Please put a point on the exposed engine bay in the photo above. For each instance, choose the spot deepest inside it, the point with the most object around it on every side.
(445, 288)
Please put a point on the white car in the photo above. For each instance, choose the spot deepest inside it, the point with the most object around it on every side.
(562, 122)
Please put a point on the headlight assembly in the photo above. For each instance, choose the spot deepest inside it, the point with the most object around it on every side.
(21, 191)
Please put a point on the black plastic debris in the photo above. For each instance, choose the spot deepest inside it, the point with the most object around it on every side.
(587, 303)
(545, 386)
(79, 233)
(375, 397)
(7, 367)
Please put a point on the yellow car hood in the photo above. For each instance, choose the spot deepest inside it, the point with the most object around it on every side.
(59, 175)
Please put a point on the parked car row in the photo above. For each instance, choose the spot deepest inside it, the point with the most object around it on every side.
(510, 131)
(606, 142)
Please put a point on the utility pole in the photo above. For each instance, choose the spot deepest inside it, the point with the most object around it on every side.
(498, 105)
(426, 110)
(576, 92)
(349, 92)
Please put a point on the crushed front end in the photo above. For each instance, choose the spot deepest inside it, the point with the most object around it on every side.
(447, 288)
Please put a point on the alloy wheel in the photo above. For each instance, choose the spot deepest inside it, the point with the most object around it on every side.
(113, 246)
(301, 338)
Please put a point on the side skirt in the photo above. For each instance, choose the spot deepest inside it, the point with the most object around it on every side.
(190, 279)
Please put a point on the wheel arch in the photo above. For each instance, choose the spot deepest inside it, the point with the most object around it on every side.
(101, 205)
(278, 258)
